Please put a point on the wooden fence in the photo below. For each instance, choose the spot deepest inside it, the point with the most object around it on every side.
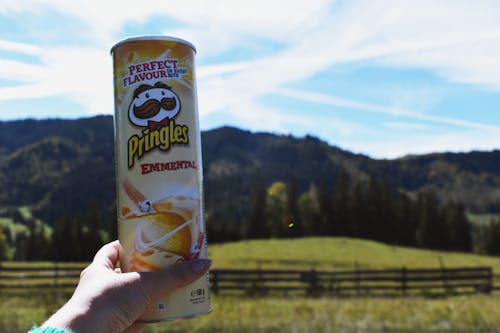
(309, 282)
(15, 276)
(356, 282)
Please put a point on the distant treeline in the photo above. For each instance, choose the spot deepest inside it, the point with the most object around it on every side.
(371, 209)
(73, 237)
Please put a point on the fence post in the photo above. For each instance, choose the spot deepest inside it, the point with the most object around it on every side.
(215, 286)
(313, 282)
(357, 278)
(56, 273)
(404, 280)
(489, 285)
(444, 275)
(257, 289)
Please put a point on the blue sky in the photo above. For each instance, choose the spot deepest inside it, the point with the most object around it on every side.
(383, 78)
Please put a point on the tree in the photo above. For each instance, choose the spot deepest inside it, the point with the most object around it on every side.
(431, 231)
(326, 223)
(292, 215)
(4, 246)
(91, 239)
(67, 238)
(276, 200)
(373, 220)
(309, 211)
(342, 219)
(38, 243)
(458, 227)
(406, 220)
(62, 239)
(492, 244)
(113, 225)
(358, 206)
(257, 224)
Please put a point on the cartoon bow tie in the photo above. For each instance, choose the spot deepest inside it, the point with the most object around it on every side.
(158, 124)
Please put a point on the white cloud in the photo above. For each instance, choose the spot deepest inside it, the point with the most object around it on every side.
(404, 33)
(19, 47)
(82, 74)
(20, 71)
(458, 40)
(407, 126)
(388, 110)
(414, 143)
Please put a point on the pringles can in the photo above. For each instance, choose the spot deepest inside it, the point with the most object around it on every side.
(158, 166)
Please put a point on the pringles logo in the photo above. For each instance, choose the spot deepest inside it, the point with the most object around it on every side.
(154, 108)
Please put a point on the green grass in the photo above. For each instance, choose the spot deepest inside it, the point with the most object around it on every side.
(336, 253)
(21, 309)
(481, 219)
(241, 315)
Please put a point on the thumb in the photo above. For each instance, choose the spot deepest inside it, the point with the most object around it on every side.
(173, 277)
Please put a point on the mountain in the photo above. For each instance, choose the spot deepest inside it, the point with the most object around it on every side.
(56, 166)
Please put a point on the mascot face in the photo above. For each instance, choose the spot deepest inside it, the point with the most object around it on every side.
(153, 104)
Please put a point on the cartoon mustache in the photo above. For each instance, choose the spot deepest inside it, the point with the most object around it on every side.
(151, 107)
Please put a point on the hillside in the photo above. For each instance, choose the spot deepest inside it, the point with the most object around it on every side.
(336, 253)
(53, 166)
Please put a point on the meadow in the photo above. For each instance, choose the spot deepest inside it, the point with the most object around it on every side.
(466, 313)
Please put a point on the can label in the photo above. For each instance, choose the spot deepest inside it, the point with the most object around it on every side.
(158, 166)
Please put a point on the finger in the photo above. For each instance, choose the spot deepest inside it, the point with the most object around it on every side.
(108, 255)
(168, 279)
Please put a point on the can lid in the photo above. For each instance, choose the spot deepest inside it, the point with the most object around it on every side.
(144, 38)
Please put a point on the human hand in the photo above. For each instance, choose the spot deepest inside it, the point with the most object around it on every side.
(107, 300)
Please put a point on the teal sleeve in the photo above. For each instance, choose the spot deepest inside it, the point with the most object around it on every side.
(48, 330)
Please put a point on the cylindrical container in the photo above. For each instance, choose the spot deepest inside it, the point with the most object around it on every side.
(158, 166)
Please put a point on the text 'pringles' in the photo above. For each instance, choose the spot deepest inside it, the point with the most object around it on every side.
(154, 108)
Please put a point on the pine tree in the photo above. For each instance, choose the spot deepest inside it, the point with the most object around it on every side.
(372, 217)
(358, 207)
(406, 220)
(458, 227)
(38, 244)
(342, 219)
(309, 211)
(112, 226)
(257, 224)
(431, 232)
(4, 246)
(292, 217)
(77, 230)
(91, 238)
(492, 244)
(326, 222)
(63, 239)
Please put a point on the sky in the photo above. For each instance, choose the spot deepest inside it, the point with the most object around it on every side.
(381, 78)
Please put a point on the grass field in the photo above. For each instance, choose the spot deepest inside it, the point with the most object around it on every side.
(473, 313)
(240, 315)
(337, 253)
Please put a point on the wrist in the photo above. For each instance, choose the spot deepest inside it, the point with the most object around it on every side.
(73, 317)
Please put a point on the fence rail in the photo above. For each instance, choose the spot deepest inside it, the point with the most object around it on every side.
(401, 281)
(356, 282)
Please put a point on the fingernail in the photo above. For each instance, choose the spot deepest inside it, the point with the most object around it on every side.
(200, 265)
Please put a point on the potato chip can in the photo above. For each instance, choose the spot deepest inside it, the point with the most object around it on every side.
(159, 174)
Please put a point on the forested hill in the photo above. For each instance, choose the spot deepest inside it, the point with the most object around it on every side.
(60, 166)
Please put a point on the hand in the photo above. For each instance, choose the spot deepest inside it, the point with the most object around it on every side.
(107, 300)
